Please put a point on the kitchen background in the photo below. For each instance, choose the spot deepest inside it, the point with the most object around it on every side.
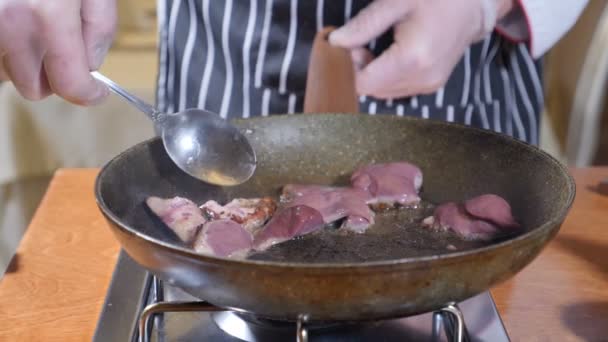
(36, 138)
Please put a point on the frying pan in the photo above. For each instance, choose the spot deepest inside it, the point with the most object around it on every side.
(396, 268)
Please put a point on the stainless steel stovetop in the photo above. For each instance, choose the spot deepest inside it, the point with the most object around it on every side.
(133, 291)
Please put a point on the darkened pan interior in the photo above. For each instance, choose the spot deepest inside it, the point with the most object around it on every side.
(458, 162)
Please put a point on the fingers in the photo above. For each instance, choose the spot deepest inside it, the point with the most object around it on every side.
(21, 51)
(66, 62)
(99, 22)
(26, 73)
(386, 70)
(42, 50)
(371, 22)
(412, 65)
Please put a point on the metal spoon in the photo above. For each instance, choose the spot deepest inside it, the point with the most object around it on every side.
(199, 142)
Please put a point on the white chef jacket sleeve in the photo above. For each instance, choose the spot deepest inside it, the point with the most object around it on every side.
(540, 23)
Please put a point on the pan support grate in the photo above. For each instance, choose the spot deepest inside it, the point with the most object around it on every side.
(450, 318)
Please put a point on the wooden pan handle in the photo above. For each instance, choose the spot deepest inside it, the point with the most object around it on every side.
(330, 83)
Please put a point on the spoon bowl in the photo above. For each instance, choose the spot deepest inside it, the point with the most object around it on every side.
(208, 147)
(201, 143)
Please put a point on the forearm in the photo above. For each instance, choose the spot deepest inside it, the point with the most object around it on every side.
(540, 23)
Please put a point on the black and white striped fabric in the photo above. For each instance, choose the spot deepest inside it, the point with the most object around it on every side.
(244, 58)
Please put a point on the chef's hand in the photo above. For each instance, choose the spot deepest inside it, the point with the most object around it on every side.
(50, 46)
(430, 37)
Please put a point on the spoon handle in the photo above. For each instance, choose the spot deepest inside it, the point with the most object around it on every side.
(142, 105)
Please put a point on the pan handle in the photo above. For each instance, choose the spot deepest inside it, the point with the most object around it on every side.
(330, 82)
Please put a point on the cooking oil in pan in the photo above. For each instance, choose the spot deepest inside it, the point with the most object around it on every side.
(396, 234)
(218, 178)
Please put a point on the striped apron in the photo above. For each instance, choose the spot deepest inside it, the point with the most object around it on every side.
(245, 58)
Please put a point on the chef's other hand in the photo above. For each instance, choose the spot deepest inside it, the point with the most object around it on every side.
(430, 37)
(50, 46)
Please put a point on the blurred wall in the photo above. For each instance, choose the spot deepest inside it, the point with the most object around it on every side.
(563, 65)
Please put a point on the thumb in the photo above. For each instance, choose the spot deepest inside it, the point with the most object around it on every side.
(361, 57)
(99, 20)
(370, 23)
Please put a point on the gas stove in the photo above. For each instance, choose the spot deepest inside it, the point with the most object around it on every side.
(140, 307)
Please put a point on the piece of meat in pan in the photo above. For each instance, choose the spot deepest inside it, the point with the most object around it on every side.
(224, 231)
(480, 218)
(251, 213)
(286, 224)
(452, 216)
(389, 184)
(491, 208)
(181, 215)
(333, 203)
(291, 191)
(224, 238)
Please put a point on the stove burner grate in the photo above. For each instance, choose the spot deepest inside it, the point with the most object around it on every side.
(238, 325)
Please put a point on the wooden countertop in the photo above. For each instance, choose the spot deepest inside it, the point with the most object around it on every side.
(65, 261)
